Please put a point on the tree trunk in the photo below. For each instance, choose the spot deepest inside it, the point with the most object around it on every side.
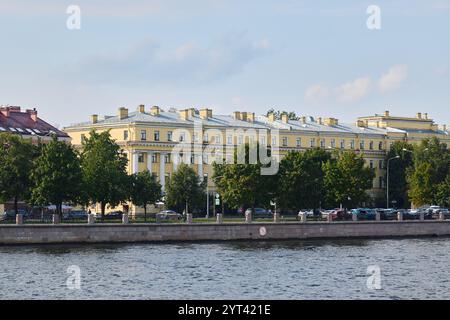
(16, 206)
(145, 212)
(102, 208)
(186, 210)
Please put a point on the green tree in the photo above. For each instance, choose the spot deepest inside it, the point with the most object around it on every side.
(242, 184)
(56, 176)
(430, 171)
(398, 168)
(347, 180)
(104, 170)
(145, 190)
(301, 183)
(16, 161)
(291, 114)
(184, 188)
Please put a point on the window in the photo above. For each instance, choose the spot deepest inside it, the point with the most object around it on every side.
(182, 137)
(169, 136)
(342, 144)
(381, 182)
(262, 139)
(241, 140)
(285, 141)
(192, 158)
(143, 135)
(380, 164)
(371, 164)
(380, 145)
(312, 143)
(205, 138)
(299, 142)
(217, 139)
(322, 143)
(125, 135)
(352, 144)
(229, 139)
(195, 137)
(361, 144)
(167, 158)
(141, 158)
(154, 158)
(274, 141)
(371, 145)
(156, 136)
(333, 143)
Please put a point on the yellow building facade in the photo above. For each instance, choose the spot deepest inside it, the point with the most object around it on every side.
(150, 136)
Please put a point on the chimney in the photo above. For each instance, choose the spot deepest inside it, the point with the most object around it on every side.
(141, 108)
(33, 114)
(331, 122)
(251, 117)
(186, 113)
(271, 117)
(319, 120)
(123, 113)
(205, 113)
(237, 115)
(244, 116)
(419, 115)
(304, 120)
(5, 111)
(94, 118)
(284, 118)
(386, 113)
(444, 127)
(155, 111)
(426, 116)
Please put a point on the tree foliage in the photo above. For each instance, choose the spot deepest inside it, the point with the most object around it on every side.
(301, 183)
(291, 114)
(16, 161)
(145, 190)
(57, 176)
(184, 189)
(104, 170)
(347, 180)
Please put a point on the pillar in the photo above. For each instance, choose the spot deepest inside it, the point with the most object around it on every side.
(125, 218)
(188, 218)
(421, 216)
(200, 166)
(248, 217)
(354, 217)
(441, 216)
(330, 217)
(162, 170)
(276, 217)
(400, 216)
(19, 219)
(135, 162)
(378, 216)
(56, 219)
(91, 218)
(219, 218)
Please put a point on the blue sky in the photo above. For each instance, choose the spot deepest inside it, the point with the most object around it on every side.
(313, 57)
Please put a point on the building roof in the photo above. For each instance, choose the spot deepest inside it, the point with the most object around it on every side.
(13, 120)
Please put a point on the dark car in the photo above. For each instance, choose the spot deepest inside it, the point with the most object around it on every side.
(340, 215)
(11, 214)
(259, 212)
(365, 213)
(114, 215)
(387, 214)
(168, 215)
(76, 215)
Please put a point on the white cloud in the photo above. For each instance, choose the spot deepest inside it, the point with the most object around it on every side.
(393, 79)
(353, 91)
(316, 93)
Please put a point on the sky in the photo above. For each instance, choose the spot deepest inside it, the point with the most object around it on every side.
(316, 57)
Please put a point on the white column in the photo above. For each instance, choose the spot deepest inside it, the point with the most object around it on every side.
(200, 166)
(162, 170)
(175, 159)
(149, 161)
(135, 162)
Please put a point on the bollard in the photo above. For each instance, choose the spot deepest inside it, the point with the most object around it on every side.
(400, 216)
(276, 217)
(56, 219)
(378, 216)
(354, 217)
(441, 216)
(219, 218)
(421, 216)
(248, 217)
(91, 218)
(330, 217)
(125, 218)
(189, 218)
(303, 217)
(19, 219)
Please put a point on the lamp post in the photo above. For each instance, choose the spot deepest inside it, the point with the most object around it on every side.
(387, 182)
(205, 176)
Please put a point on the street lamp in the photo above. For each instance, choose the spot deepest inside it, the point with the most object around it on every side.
(387, 182)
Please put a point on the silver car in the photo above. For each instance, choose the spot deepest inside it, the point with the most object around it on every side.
(168, 215)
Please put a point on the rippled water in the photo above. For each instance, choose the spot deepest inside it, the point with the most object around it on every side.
(410, 268)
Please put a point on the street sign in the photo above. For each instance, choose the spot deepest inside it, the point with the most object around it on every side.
(217, 202)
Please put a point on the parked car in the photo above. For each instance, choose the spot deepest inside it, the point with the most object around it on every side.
(76, 215)
(341, 215)
(114, 215)
(387, 214)
(436, 213)
(365, 213)
(168, 215)
(11, 214)
(259, 212)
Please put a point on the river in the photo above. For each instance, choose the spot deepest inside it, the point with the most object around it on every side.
(404, 269)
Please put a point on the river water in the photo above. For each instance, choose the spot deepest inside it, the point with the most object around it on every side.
(408, 269)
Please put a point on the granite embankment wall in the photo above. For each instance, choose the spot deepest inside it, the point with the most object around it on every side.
(110, 233)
